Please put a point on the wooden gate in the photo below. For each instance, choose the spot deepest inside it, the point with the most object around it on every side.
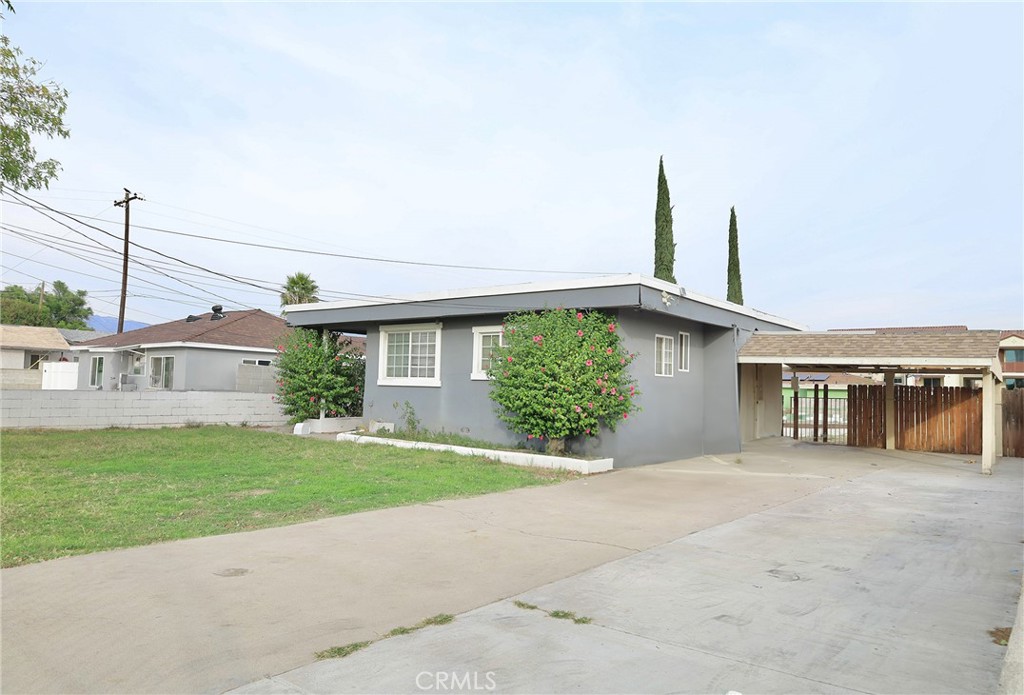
(941, 419)
(866, 416)
(1013, 423)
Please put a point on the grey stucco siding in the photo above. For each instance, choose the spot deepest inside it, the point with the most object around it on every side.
(195, 369)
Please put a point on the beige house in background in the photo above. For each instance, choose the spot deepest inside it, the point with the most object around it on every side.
(30, 353)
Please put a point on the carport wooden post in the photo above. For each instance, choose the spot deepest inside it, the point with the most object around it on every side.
(988, 421)
(890, 410)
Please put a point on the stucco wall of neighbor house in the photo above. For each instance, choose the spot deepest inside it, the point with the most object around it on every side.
(98, 409)
(12, 359)
(215, 370)
(253, 378)
(20, 379)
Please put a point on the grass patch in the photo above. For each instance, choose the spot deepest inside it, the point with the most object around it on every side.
(559, 614)
(342, 652)
(68, 493)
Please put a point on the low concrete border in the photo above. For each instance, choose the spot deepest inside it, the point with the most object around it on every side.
(1011, 680)
(516, 458)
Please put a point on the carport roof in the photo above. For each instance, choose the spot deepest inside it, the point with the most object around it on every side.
(960, 351)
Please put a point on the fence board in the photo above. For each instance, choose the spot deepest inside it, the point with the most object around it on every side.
(1013, 423)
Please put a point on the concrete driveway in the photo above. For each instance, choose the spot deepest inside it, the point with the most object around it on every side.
(794, 568)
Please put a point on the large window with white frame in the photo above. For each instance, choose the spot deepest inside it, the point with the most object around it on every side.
(96, 372)
(664, 355)
(410, 355)
(684, 352)
(485, 340)
(161, 372)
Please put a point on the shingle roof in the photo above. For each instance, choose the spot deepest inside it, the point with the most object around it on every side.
(841, 345)
(903, 329)
(250, 328)
(32, 338)
(74, 335)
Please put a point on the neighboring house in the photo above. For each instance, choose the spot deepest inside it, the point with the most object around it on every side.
(218, 351)
(430, 351)
(1011, 357)
(27, 351)
(74, 336)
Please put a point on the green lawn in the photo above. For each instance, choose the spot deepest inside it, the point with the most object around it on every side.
(67, 493)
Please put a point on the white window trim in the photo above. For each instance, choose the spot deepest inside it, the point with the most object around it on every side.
(684, 352)
(131, 364)
(671, 362)
(163, 371)
(382, 356)
(478, 374)
(92, 372)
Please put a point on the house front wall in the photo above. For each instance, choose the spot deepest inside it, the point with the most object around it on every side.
(681, 417)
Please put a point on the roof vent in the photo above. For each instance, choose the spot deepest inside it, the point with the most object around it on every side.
(191, 319)
(218, 312)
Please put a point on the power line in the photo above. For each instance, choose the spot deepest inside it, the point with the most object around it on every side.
(334, 254)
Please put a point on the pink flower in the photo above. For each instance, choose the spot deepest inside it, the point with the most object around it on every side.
(543, 369)
(590, 405)
(604, 391)
(336, 358)
(509, 358)
(579, 315)
(511, 330)
(281, 348)
(606, 375)
(579, 333)
(608, 350)
(625, 416)
(622, 361)
(312, 398)
(613, 390)
(538, 338)
(357, 389)
(590, 363)
(599, 382)
(620, 398)
(540, 436)
(309, 344)
(588, 430)
(611, 327)
(529, 436)
(579, 409)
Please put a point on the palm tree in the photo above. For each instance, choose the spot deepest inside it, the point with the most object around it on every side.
(300, 288)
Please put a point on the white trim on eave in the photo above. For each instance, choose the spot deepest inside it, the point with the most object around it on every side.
(551, 286)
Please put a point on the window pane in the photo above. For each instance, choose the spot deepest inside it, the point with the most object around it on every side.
(168, 372)
(398, 354)
(684, 352)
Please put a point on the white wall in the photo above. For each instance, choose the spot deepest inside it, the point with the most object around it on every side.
(98, 409)
(12, 359)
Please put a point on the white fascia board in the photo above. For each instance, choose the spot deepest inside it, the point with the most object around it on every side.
(164, 346)
(896, 362)
(549, 286)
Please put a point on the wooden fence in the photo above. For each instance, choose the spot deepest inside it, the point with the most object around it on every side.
(942, 419)
(1013, 423)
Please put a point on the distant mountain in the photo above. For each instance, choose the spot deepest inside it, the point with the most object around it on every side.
(108, 324)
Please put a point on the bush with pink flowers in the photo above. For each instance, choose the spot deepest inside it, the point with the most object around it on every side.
(314, 374)
(561, 373)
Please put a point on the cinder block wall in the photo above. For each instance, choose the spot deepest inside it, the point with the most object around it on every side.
(98, 409)
(21, 379)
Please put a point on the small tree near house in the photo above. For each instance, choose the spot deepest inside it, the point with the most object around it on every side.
(315, 374)
(561, 373)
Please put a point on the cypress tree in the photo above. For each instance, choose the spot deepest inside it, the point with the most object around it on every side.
(664, 245)
(734, 293)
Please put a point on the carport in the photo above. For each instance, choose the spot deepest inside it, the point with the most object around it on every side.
(968, 353)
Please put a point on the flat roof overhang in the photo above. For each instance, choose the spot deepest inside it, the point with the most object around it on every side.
(931, 365)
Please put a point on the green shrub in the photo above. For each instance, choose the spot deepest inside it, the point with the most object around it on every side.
(313, 373)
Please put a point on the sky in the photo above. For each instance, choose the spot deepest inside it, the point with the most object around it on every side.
(874, 152)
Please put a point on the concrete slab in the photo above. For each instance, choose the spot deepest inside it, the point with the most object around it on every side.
(887, 583)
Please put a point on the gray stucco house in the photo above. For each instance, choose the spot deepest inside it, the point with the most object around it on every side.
(216, 351)
(427, 349)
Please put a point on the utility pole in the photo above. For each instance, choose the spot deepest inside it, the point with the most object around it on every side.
(126, 204)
